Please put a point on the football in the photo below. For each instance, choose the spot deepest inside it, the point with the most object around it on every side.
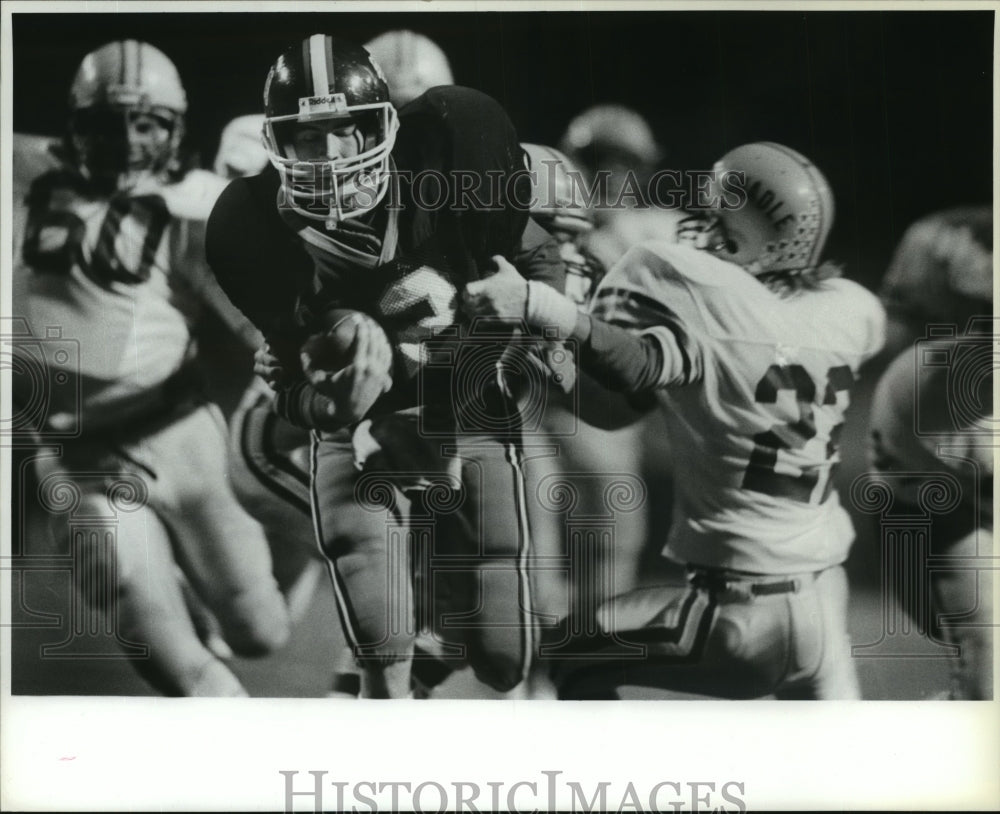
(333, 350)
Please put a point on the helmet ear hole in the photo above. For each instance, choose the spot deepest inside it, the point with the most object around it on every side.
(788, 210)
(741, 236)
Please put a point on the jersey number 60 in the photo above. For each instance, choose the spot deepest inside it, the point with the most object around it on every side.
(125, 247)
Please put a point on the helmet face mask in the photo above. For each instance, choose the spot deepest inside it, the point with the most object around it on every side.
(329, 129)
(127, 115)
(117, 147)
(742, 237)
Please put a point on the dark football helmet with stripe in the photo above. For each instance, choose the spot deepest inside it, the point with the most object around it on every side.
(127, 108)
(326, 80)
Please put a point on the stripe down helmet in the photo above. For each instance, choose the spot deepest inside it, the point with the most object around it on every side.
(322, 81)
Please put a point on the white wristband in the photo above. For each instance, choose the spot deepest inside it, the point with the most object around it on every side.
(547, 308)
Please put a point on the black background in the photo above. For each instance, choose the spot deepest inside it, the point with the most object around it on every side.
(895, 108)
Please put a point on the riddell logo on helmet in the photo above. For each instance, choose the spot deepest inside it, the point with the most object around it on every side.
(334, 103)
(769, 203)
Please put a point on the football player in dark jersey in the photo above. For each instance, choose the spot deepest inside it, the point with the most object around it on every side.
(391, 214)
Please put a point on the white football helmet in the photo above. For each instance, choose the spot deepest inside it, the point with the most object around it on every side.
(127, 108)
(783, 224)
(412, 63)
(557, 199)
(558, 205)
(611, 133)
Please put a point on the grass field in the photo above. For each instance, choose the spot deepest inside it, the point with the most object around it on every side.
(304, 667)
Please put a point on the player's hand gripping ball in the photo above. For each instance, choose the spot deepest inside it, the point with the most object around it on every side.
(350, 363)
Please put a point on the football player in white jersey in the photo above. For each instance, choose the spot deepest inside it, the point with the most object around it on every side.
(109, 253)
(751, 346)
(933, 424)
(615, 146)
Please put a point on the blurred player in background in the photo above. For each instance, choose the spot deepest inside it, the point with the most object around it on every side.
(411, 63)
(744, 342)
(616, 144)
(942, 272)
(557, 205)
(332, 243)
(109, 251)
(932, 414)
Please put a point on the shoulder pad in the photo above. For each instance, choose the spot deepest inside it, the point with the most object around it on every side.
(865, 310)
(193, 197)
(657, 260)
(33, 156)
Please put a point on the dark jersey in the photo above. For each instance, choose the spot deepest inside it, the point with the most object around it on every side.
(406, 263)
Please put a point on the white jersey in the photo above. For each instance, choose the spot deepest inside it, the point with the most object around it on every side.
(625, 228)
(754, 390)
(117, 277)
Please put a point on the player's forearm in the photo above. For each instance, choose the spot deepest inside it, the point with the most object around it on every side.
(620, 360)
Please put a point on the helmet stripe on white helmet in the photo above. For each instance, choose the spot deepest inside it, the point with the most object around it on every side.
(114, 84)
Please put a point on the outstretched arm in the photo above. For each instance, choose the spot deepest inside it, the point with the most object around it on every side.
(619, 359)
